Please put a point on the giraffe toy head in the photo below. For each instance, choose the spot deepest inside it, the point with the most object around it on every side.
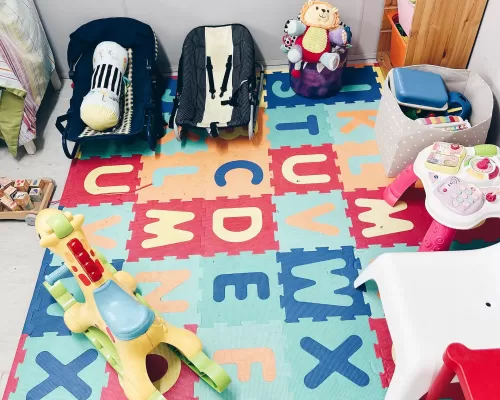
(62, 233)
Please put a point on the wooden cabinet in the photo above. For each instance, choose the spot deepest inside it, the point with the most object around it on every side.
(443, 33)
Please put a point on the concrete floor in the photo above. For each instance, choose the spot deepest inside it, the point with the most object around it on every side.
(20, 253)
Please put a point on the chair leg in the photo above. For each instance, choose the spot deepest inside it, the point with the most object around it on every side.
(441, 382)
(437, 238)
(403, 181)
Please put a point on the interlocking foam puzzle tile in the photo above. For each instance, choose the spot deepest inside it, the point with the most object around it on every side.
(298, 126)
(176, 384)
(474, 245)
(60, 367)
(254, 356)
(216, 259)
(38, 321)
(334, 359)
(320, 284)
(366, 256)
(375, 222)
(205, 175)
(359, 84)
(304, 169)
(44, 314)
(167, 100)
(488, 232)
(171, 287)
(315, 220)
(383, 349)
(352, 122)
(240, 288)
(202, 227)
(110, 148)
(106, 227)
(236, 139)
(98, 180)
(360, 166)
(160, 230)
(380, 77)
(12, 380)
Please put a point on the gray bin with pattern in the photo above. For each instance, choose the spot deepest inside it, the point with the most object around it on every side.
(400, 139)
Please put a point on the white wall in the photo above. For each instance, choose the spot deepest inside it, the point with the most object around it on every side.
(485, 60)
(173, 19)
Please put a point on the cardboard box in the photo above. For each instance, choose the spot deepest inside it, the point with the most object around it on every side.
(10, 204)
(36, 195)
(24, 201)
(22, 185)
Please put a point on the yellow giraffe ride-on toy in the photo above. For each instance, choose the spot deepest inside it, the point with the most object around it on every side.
(115, 318)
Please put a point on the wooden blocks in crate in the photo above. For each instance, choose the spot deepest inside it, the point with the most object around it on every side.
(24, 198)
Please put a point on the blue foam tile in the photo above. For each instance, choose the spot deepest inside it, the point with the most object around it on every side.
(320, 284)
(359, 84)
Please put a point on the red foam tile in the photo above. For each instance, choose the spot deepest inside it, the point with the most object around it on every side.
(415, 213)
(113, 391)
(327, 167)
(383, 349)
(75, 193)
(182, 249)
(183, 389)
(488, 232)
(264, 240)
(18, 359)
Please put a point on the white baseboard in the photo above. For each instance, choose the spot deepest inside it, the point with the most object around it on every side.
(271, 64)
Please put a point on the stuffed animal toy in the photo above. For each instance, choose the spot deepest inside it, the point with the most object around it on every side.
(100, 109)
(316, 30)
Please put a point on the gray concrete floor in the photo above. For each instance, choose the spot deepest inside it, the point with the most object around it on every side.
(20, 253)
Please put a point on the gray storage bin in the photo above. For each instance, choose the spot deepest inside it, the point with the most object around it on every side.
(400, 139)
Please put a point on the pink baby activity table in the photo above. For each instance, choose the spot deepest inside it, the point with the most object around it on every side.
(462, 185)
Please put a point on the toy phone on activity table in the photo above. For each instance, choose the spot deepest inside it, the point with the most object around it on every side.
(462, 183)
(114, 317)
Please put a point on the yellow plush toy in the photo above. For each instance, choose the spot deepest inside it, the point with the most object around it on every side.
(100, 109)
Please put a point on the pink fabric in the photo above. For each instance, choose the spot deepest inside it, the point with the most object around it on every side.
(25, 48)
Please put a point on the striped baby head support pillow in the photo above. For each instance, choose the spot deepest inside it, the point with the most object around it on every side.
(100, 109)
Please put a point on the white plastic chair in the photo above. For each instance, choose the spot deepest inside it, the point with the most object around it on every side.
(432, 300)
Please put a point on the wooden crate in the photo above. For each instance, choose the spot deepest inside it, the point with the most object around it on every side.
(30, 215)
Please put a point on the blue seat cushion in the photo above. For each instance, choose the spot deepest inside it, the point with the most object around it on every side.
(126, 318)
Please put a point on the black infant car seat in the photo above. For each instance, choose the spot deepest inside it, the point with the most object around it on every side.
(142, 109)
(218, 83)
